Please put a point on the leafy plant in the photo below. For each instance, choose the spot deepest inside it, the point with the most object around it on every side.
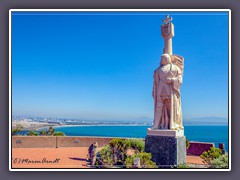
(145, 160)
(51, 131)
(17, 130)
(59, 134)
(106, 155)
(220, 162)
(137, 144)
(183, 166)
(43, 133)
(119, 149)
(187, 143)
(33, 133)
(210, 155)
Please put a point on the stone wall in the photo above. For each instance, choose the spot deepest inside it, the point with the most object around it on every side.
(56, 141)
(34, 142)
(197, 148)
(81, 141)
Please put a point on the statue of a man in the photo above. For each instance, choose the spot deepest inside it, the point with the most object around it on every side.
(166, 94)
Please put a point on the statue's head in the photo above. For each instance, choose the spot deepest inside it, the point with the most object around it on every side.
(165, 59)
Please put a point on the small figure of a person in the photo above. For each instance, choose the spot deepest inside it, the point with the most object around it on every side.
(92, 151)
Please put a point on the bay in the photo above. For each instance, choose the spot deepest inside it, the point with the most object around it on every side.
(212, 134)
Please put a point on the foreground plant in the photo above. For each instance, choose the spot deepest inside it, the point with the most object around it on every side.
(115, 153)
(214, 158)
(145, 160)
(211, 154)
(220, 162)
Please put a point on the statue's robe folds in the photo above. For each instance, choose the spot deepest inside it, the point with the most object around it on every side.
(167, 100)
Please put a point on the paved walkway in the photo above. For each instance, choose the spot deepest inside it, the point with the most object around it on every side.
(59, 158)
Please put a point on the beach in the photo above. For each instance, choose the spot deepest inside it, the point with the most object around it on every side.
(31, 125)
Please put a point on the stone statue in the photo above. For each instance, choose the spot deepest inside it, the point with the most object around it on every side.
(167, 82)
(166, 94)
(165, 140)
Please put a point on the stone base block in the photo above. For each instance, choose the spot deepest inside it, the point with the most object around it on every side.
(165, 132)
(166, 151)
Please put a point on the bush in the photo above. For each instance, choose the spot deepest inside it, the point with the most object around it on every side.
(145, 160)
(59, 134)
(33, 133)
(211, 154)
(106, 155)
(116, 153)
(15, 132)
(43, 133)
(137, 144)
(51, 131)
(119, 149)
(187, 143)
(183, 166)
(220, 162)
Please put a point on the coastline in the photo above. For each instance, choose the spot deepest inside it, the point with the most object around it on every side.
(39, 126)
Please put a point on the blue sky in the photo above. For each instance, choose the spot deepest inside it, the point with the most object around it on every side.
(100, 65)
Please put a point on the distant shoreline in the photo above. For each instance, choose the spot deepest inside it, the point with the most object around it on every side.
(45, 126)
(40, 126)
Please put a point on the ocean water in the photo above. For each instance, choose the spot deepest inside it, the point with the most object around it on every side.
(213, 134)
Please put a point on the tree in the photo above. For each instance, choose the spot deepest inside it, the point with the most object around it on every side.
(51, 131)
(17, 130)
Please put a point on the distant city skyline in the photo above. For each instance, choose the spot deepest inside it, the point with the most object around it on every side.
(99, 65)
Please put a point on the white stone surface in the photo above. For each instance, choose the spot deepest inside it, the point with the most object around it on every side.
(165, 132)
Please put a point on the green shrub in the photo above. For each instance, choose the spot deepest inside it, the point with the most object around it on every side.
(187, 143)
(59, 134)
(183, 166)
(220, 162)
(137, 144)
(106, 155)
(43, 133)
(145, 160)
(119, 149)
(51, 131)
(15, 131)
(211, 154)
(33, 133)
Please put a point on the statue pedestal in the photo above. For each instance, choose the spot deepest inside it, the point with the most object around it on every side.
(168, 147)
(165, 132)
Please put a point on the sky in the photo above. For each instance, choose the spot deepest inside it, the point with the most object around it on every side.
(99, 65)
